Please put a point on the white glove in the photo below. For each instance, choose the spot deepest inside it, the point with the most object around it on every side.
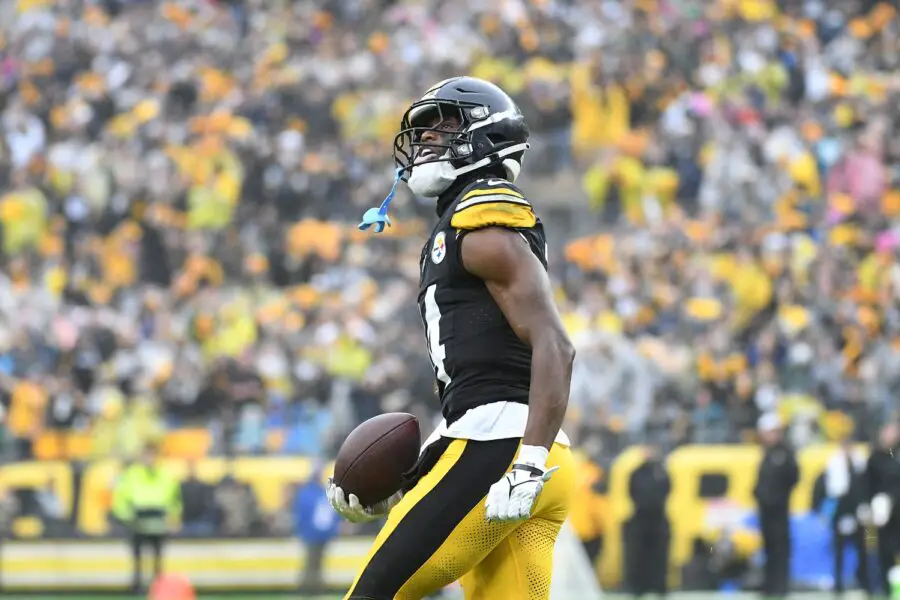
(514, 496)
(864, 514)
(894, 577)
(881, 509)
(349, 507)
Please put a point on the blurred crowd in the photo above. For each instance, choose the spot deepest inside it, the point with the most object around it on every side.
(181, 182)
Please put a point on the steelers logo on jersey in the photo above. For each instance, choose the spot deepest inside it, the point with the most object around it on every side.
(439, 248)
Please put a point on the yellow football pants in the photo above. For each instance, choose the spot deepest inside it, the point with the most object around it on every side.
(437, 534)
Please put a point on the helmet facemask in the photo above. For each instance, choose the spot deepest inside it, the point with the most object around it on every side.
(427, 151)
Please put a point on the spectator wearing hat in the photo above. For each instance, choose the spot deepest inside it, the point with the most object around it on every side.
(648, 533)
(846, 507)
(778, 474)
(316, 526)
(884, 496)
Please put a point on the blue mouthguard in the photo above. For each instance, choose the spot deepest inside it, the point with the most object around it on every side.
(377, 216)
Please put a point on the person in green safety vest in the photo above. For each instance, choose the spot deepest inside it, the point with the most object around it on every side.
(147, 500)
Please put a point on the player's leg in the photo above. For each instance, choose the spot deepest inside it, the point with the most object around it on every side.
(438, 531)
(521, 566)
(157, 544)
(137, 541)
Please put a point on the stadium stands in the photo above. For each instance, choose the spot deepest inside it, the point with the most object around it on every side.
(180, 183)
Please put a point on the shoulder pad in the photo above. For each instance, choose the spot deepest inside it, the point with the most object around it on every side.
(493, 203)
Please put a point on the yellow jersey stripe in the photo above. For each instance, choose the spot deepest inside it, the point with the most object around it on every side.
(490, 198)
(498, 190)
(495, 214)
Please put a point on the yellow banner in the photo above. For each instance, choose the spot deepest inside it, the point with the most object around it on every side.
(263, 564)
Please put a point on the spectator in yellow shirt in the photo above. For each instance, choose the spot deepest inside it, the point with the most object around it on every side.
(26, 415)
(600, 108)
(588, 517)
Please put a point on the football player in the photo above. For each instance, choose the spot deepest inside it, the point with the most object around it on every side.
(493, 483)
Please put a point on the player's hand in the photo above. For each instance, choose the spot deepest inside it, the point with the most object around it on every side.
(349, 507)
(881, 509)
(514, 496)
(864, 515)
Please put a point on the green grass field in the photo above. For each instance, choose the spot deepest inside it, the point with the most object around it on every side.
(136, 597)
(200, 597)
(676, 596)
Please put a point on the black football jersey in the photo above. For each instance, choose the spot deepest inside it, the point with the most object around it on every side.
(477, 358)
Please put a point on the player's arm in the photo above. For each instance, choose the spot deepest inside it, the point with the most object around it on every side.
(519, 284)
(497, 221)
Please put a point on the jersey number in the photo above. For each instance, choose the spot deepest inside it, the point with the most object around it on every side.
(433, 332)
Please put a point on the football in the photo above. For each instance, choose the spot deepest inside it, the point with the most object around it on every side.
(374, 457)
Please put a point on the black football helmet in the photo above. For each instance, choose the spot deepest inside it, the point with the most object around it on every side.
(492, 130)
